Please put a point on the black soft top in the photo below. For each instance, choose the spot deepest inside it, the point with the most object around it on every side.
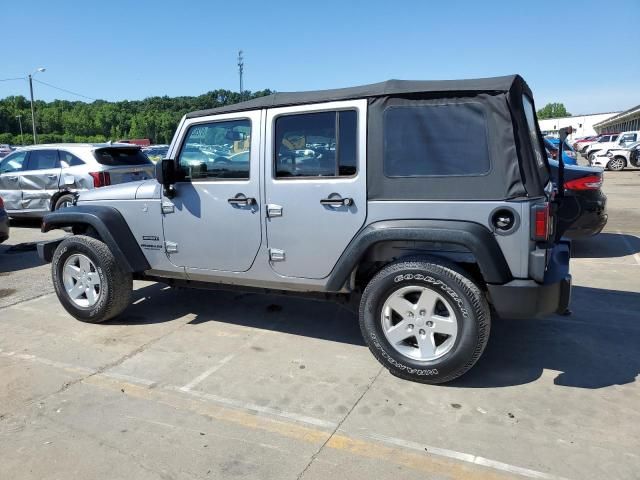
(388, 88)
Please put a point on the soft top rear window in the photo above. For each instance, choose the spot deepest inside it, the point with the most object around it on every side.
(532, 126)
(115, 157)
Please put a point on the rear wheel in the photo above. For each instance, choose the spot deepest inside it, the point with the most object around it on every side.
(88, 281)
(64, 201)
(424, 321)
(616, 164)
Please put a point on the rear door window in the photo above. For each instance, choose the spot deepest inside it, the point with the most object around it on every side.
(318, 144)
(436, 140)
(69, 160)
(117, 157)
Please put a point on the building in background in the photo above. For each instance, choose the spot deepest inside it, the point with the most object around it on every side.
(622, 122)
(583, 125)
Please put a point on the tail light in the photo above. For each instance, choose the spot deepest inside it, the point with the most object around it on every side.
(592, 182)
(1, 203)
(541, 225)
(100, 179)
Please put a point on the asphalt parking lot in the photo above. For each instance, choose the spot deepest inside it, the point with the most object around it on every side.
(199, 384)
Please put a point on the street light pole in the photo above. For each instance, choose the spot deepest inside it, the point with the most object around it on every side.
(33, 111)
(19, 117)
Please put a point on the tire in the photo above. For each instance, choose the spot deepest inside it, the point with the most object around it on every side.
(616, 164)
(454, 291)
(64, 201)
(591, 157)
(110, 296)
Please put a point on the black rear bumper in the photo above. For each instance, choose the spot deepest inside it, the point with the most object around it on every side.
(529, 299)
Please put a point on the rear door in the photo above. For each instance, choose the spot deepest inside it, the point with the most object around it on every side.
(125, 164)
(39, 180)
(315, 177)
(11, 168)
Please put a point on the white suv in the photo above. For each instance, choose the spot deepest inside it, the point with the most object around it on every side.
(616, 158)
(624, 140)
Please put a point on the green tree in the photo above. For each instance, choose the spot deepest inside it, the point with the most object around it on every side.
(553, 110)
(155, 118)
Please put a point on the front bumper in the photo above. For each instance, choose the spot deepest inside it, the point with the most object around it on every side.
(521, 299)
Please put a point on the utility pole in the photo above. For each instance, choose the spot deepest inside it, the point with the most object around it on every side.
(19, 117)
(240, 69)
(33, 111)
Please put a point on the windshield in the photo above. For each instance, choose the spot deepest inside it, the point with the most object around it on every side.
(116, 157)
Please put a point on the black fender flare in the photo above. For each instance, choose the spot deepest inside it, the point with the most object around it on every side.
(473, 236)
(110, 225)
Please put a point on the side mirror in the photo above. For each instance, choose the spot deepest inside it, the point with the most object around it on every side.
(166, 175)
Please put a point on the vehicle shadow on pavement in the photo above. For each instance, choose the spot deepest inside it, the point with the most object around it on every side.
(157, 303)
(18, 257)
(605, 245)
(595, 347)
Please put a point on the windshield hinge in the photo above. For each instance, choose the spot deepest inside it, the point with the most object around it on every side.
(171, 247)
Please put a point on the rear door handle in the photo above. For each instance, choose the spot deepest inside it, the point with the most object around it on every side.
(337, 202)
(12, 178)
(241, 201)
(52, 175)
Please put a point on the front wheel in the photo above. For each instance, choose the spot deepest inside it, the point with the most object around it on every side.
(424, 321)
(88, 281)
(616, 164)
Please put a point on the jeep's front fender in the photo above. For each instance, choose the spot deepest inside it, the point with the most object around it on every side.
(473, 236)
(110, 226)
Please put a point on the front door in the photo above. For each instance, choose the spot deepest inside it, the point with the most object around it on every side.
(315, 176)
(11, 168)
(39, 180)
(213, 221)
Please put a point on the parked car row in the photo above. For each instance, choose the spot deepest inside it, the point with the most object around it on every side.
(38, 179)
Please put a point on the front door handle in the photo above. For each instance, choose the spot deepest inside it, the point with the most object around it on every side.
(241, 201)
(337, 202)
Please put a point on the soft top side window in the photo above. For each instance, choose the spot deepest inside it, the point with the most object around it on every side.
(217, 150)
(436, 140)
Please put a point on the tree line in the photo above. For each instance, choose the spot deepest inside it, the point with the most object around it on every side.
(155, 118)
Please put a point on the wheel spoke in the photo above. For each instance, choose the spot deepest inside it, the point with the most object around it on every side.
(85, 265)
(76, 291)
(72, 270)
(400, 332)
(94, 278)
(444, 325)
(400, 305)
(427, 345)
(91, 294)
(427, 301)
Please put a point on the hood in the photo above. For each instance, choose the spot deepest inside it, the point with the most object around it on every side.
(122, 191)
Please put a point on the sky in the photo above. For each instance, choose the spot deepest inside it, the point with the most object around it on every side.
(583, 54)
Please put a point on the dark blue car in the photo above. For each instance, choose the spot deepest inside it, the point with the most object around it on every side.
(568, 154)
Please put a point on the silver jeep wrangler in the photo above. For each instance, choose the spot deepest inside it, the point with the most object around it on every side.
(430, 201)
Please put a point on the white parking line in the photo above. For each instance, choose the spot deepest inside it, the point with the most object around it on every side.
(464, 457)
(635, 255)
(304, 419)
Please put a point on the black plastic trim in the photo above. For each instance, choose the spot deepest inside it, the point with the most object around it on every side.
(521, 299)
(111, 227)
(478, 239)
